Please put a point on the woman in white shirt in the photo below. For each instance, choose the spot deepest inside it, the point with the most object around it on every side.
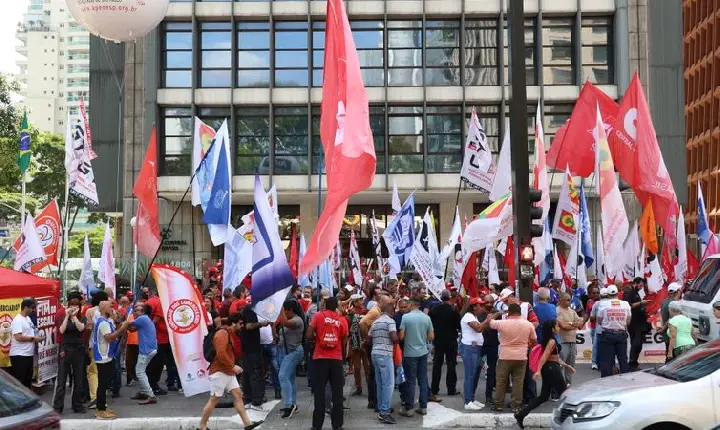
(470, 350)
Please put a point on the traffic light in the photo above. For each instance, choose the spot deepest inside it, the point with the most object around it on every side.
(526, 254)
(536, 230)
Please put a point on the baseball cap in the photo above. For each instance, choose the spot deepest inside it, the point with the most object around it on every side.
(475, 301)
(505, 293)
(356, 296)
(674, 287)
(603, 291)
(612, 290)
(349, 287)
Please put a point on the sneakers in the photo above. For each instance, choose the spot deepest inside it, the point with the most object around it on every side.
(253, 425)
(254, 407)
(472, 406)
(289, 412)
(92, 404)
(130, 383)
(478, 404)
(406, 412)
(148, 401)
(105, 415)
(594, 366)
(421, 411)
(519, 419)
(386, 418)
(434, 398)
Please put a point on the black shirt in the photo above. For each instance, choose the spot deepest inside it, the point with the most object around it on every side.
(490, 336)
(72, 336)
(250, 339)
(638, 316)
(446, 323)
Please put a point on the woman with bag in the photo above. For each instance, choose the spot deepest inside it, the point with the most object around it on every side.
(290, 353)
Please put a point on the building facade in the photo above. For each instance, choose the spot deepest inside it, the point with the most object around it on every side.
(426, 65)
(55, 72)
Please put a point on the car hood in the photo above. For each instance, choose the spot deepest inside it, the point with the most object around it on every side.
(614, 387)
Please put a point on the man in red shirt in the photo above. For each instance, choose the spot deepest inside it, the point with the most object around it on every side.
(330, 331)
(164, 356)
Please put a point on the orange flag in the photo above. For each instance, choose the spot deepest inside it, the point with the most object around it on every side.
(648, 228)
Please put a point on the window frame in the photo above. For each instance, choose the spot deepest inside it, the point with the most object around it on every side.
(169, 27)
(214, 27)
(593, 22)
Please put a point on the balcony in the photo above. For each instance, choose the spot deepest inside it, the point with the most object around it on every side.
(21, 49)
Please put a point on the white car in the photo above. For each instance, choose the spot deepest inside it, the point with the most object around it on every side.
(683, 394)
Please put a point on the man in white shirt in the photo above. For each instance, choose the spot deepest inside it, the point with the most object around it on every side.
(22, 346)
(613, 317)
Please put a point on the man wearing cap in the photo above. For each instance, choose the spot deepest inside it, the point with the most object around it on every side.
(446, 323)
(639, 326)
(613, 316)
(569, 323)
(673, 295)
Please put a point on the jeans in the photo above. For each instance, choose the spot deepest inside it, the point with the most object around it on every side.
(324, 371)
(253, 377)
(72, 360)
(22, 369)
(384, 381)
(568, 353)
(593, 336)
(416, 370)
(612, 344)
(471, 356)
(510, 368)
(141, 373)
(446, 351)
(552, 380)
(288, 364)
(490, 352)
(105, 375)
(271, 358)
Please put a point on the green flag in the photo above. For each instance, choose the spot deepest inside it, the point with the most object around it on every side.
(25, 153)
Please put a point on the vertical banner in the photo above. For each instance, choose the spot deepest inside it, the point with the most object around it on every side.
(8, 309)
(186, 321)
(47, 349)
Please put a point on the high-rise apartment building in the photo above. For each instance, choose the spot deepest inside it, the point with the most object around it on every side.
(55, 70)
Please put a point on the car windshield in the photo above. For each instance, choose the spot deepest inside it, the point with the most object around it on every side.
(706, 284)
(14, 398)
(694, 364)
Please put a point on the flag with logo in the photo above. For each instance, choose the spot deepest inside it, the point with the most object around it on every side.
(25, 150)
(423, 256)
(147, 220)
(49, 230)
(78, 154)
(565, 225)
(494, 223)
(87, 278)
(355, 267)
(237, 258)
(106, 271)
(477, 167)
(187, 324)
(217, 212)
(30, 252)
(703, 226)
(202, 140)
(502, 183)
(399, 236)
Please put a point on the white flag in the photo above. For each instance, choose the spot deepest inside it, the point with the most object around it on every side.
(565, 224)
(631, 249)
(477, 168)
(681, 268)
(600, 269)
(396, 202)
(557, 268)
(656, 279)
(106, 272)
(31, 250)
(502, 184)
(355, 260)
(81, 179)
(494, 223)
(455, 233)
(422, 256)
(573, 259)
(238, 254)
(87, 279)
(490, 264)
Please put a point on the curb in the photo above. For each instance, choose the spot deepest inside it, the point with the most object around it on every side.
(441, 417)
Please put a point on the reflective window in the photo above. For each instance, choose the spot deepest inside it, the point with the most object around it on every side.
(318, 52)
(481, 52)
(177, 55)
(530, 59)
(597, 55)
(405, 139)
(291, 54)
(291, 141)
(216, 55)
(253, 44)
(176, 141)
(369, 42)
(252, 132)
(442, 53)
(555, 116)
(557, 46)
(444, 133)
(404, 55)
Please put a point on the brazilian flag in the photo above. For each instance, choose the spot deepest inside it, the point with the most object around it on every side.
(25, 153)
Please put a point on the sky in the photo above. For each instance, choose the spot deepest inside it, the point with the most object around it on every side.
(12, 11)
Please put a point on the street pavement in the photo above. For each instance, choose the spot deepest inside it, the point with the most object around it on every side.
(175, 411)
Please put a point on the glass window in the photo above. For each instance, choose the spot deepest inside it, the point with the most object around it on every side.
(252, 131)
(530, 58)
(253, 44)
(216, 55)
(442, 53)
(555, 116)
(405, 40)
(318, 53)
(291, 54)
(177, 55)
(481, 52)
(405, 139)
(597, 55)
(557, 45)
(369, 42)
(176, 141)
(444, 133)
(291, 141)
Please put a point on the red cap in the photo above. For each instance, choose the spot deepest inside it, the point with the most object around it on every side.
(475, 301)
(129, 295)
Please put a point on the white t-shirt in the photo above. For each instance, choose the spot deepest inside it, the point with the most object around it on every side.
(469, 335)
(266, 337)
(104, 345)
(24, 326)
(615, 314)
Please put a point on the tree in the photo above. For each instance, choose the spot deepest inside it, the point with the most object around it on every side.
(76, 243)
(9, 116)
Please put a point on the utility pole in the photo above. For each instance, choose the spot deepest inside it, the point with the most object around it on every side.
(519, 139)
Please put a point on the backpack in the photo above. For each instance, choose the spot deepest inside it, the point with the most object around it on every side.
(331, 333)
(534, 358)
(208, 348)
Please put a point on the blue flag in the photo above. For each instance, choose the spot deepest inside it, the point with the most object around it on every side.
(270, 269)
(703, 228)
(219, 205)
(400, 235)
(586, 247)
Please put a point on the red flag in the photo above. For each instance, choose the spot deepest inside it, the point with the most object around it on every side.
(49, 228)
(634, 146)
(510, 260)
(469, 277)
(293, 253)
(668, 262)
(693, 265)
(574, 144)
(147, 225)
(345, 133)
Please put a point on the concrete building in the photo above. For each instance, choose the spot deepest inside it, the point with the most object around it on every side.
(55, 71)
(426, 64)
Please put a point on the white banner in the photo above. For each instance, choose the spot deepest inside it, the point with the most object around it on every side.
(48, 348)
(477, 169)
(653, 350)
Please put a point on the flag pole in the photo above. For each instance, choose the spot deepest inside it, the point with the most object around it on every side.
(319, 209)
(66, 233)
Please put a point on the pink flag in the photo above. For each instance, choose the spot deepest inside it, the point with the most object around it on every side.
(345, 133)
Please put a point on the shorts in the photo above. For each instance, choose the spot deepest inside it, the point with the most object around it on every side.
(221, 383)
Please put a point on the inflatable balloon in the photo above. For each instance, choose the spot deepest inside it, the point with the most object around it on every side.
(118, 20)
